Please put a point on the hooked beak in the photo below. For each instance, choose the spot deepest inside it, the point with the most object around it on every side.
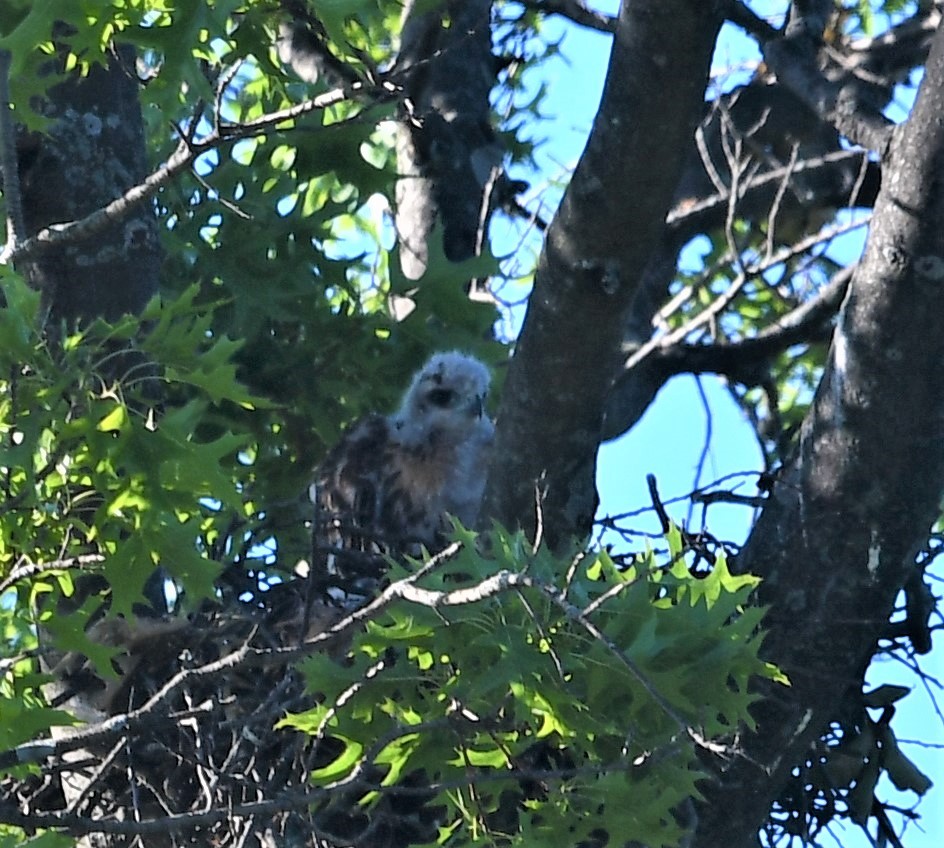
(477, 406)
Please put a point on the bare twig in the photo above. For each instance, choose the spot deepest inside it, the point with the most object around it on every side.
(755, 501)
(300, 799)
(750, 21)
(34, 569)
(717, 306)
(706, 444)
(704, 154)
(505, 581)
(778, 199)
(612, 592)
(736, 167)
(686, 213)
(100, 769)
(739, 359)
(405, 589)
(664, 521)
(575, 11)
(899, 40)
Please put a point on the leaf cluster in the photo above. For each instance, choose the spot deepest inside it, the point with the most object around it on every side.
(563, 695)
(575, 700)
(99, 479)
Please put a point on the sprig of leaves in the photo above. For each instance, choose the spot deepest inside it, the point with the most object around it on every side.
(502, 673)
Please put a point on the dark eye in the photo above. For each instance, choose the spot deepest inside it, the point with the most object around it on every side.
(441, 397)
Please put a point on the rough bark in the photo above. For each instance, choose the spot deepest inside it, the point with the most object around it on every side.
(594, 256)
(447, 154)
(92, 153)
(838, 538)
(768, 116)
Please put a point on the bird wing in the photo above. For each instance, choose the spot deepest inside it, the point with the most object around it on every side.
(349, 534)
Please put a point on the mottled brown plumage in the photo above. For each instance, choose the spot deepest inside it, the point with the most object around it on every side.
(388, 485)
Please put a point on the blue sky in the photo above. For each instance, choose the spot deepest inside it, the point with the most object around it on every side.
(671, 438)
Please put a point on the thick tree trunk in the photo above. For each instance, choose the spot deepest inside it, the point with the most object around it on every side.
(593, 260)
(447, 155)
(92, 153)
(838, 538)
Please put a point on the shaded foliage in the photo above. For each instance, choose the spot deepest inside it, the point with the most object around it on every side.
(505, 695)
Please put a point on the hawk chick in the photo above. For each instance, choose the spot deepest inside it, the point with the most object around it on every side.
(387, 486)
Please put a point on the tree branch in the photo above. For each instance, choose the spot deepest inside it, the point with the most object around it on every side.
(793, 57)
(714, 309)
(180, 160)
(899, 49)
(575, 11)
(795, 66)
(839, 535)
(160, 716)
(648, 368)
(593, 259)
(303, 798)
(448, 157)
(694, 216)
(752, 23)
(741, 360)
(35, 569)
(759, 117)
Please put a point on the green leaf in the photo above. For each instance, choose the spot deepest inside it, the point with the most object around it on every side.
(20, 722)
(49, 839)
(396, 756)
(720, 582)
(488, 757)
(341, 765)
(113, 420)
(18, 316)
